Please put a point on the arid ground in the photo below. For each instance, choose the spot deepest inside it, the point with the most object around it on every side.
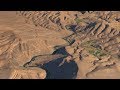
(59, 44)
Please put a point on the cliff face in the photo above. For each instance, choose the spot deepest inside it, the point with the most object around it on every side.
(91, 39)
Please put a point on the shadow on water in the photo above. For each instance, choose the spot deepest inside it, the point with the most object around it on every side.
(66, 71)
(61, 51)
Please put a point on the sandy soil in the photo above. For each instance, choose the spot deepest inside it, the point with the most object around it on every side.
(59, 45)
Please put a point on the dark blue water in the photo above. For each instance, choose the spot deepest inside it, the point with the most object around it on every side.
(66, 71)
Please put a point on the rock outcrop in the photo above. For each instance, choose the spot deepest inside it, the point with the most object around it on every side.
(30, 39)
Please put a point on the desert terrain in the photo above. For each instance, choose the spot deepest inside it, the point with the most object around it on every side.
(59, 44)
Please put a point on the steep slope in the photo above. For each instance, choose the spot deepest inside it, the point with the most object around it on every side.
(96, 50)
(20, 42)
(29, 39)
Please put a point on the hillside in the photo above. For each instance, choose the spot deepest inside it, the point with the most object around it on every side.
(60, 44)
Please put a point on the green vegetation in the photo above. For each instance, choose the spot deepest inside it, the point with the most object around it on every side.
(94, 49)
(97, 53)
(78, 20)
(89, 43)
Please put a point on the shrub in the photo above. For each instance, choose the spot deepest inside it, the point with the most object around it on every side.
(97, 52)
(78, 20)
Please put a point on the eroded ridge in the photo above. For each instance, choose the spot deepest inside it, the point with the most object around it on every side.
(97, 46)
(90, 38)
(54, 20)
(12, 63)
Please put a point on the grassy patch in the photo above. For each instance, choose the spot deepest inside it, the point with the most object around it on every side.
(96, 53)
(78, 20)
(94, 49)
(89, 43)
